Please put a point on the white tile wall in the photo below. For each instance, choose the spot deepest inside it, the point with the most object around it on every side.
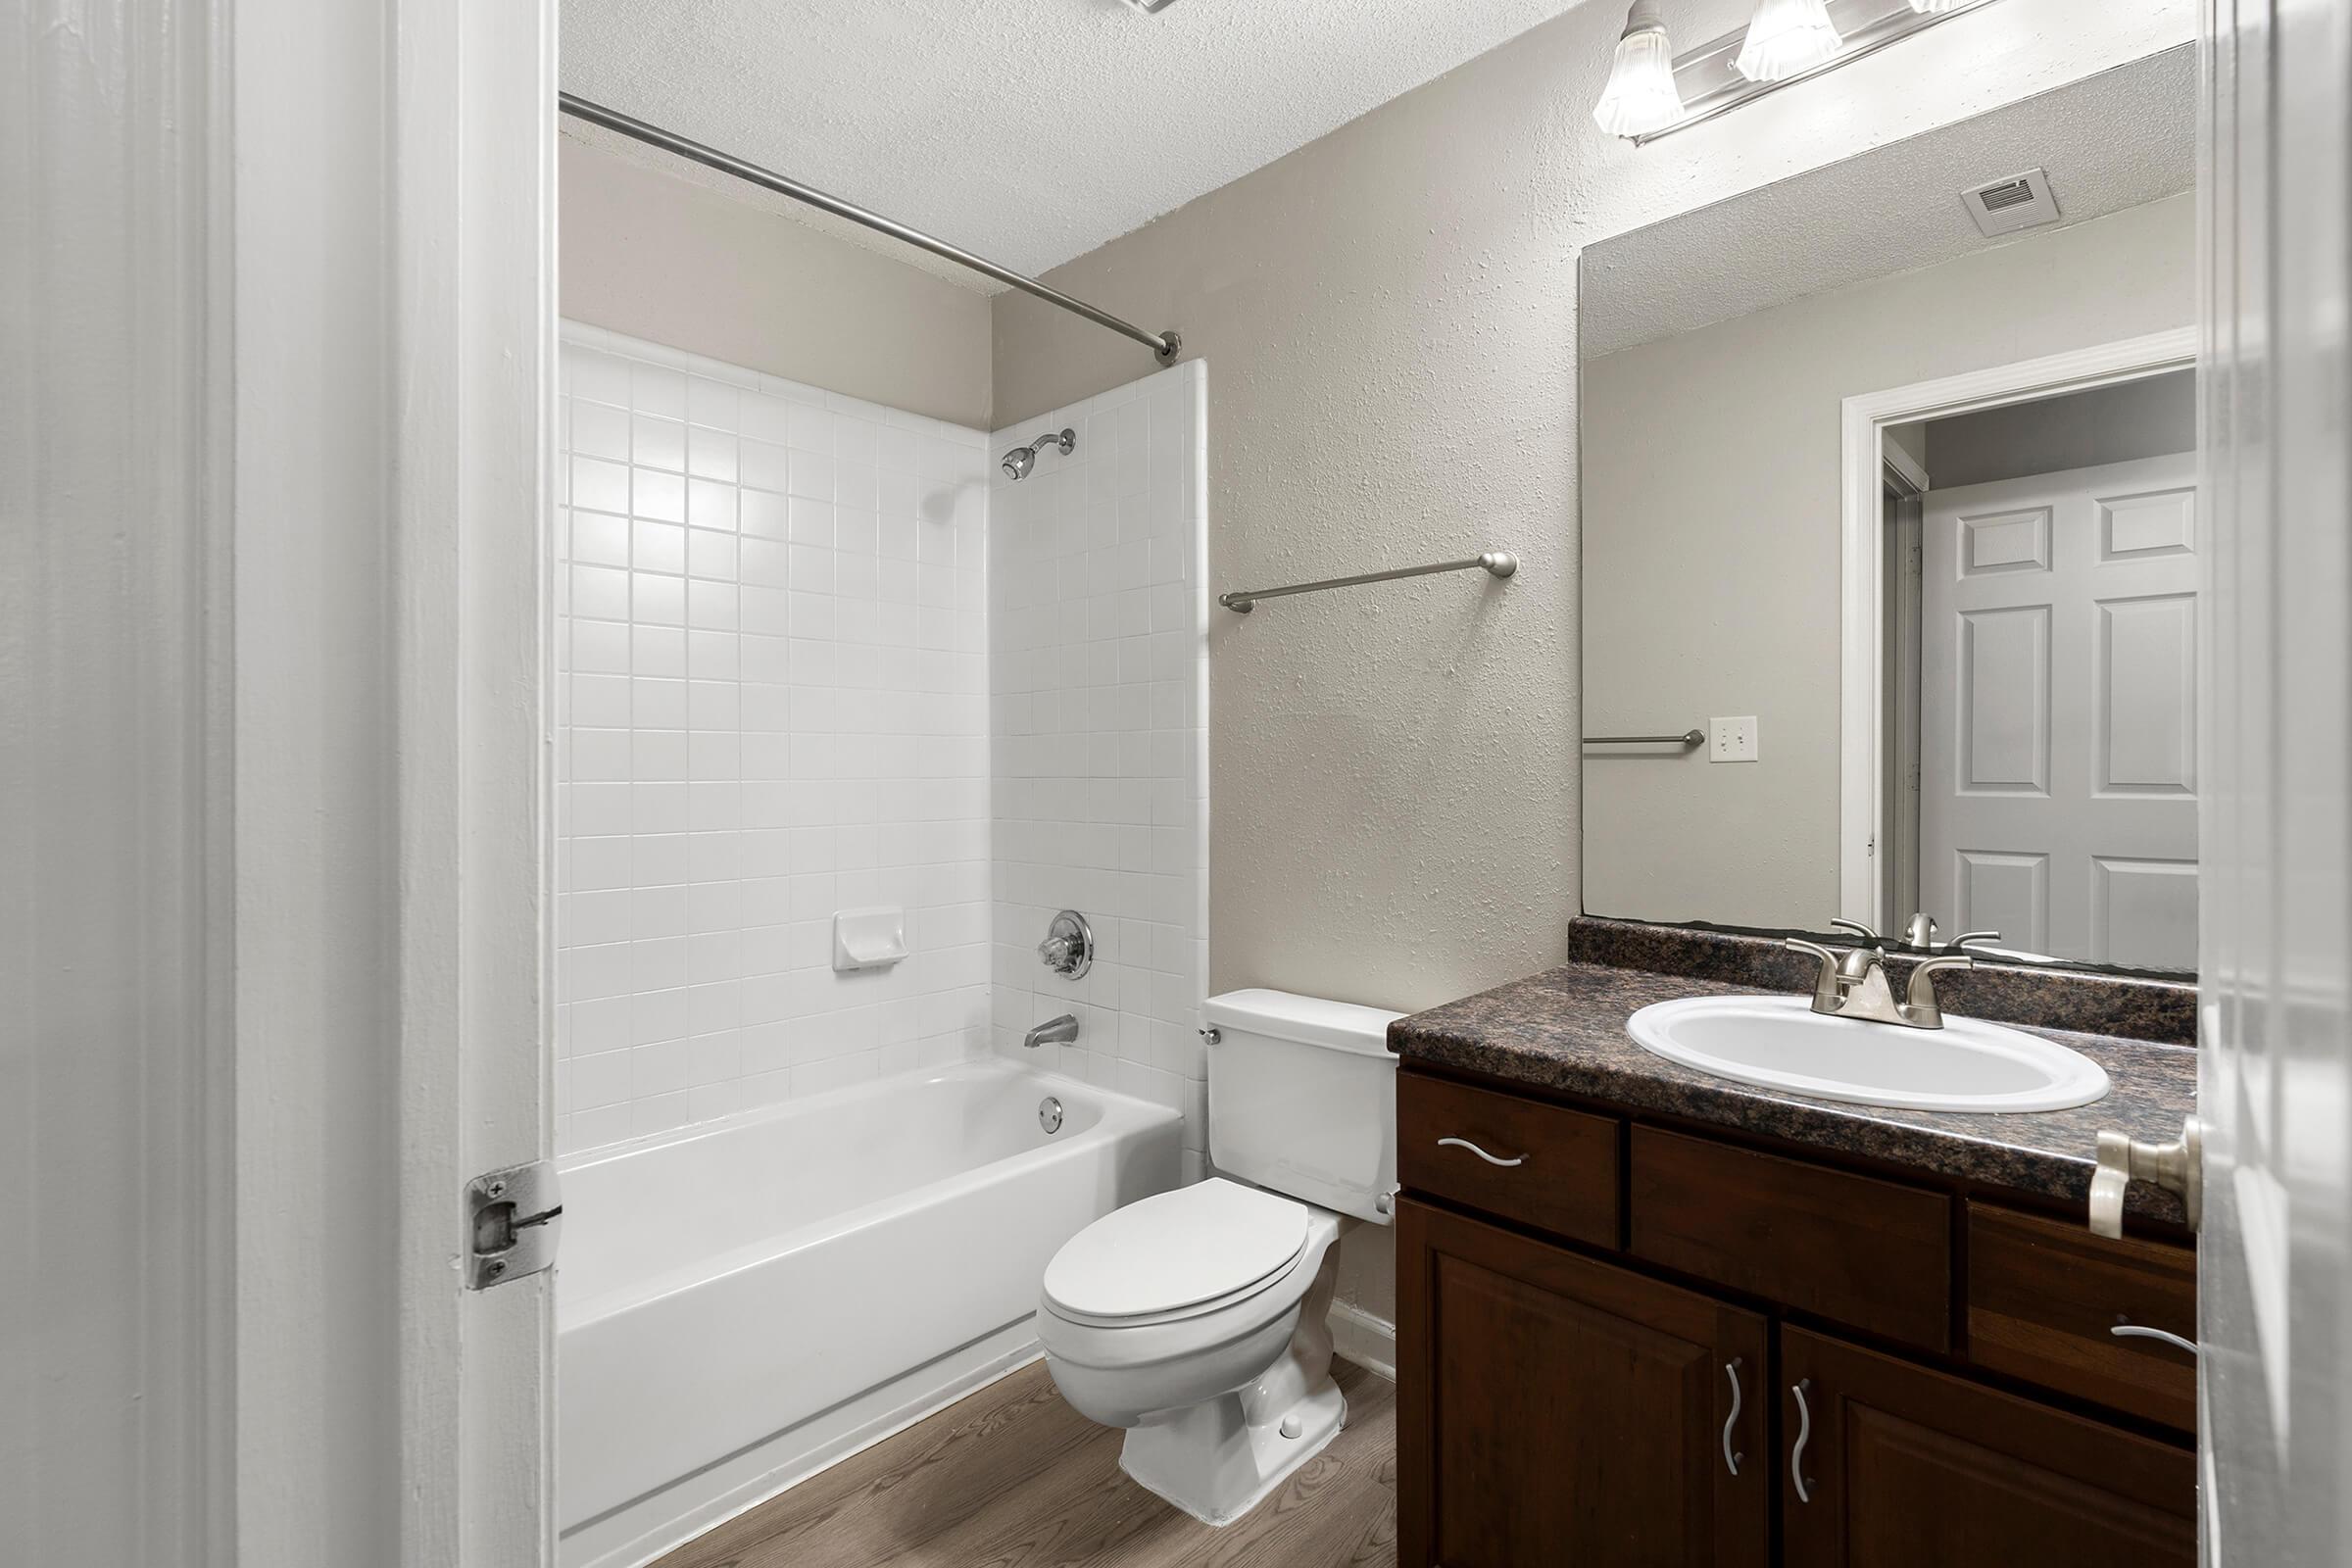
(1098, 609)
(772, 703)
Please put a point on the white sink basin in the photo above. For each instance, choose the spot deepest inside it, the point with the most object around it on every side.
(1780, 1042)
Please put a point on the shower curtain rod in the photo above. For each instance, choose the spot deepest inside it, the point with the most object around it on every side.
(1164, 344)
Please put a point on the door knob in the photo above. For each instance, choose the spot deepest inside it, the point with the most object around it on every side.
(2178, 1167)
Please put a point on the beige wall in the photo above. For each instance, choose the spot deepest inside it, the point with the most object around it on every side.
(646, 252)
(1712, 539)
(1389, 315)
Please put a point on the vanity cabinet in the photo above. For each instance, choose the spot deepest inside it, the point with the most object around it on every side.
(1575, 1412)
(1604, 1320)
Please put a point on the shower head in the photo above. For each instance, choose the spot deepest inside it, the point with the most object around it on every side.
(1020, 459)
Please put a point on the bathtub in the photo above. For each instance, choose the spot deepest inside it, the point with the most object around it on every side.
(741, 1302)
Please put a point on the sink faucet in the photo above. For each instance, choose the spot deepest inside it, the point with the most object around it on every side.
(1059, 1030)
(1854, 984)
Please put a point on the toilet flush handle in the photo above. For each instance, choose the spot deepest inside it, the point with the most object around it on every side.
(1464, 1142)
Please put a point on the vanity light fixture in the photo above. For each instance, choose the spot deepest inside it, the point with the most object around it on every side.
(1784, 38)
(1641, 97)
(1785, 42)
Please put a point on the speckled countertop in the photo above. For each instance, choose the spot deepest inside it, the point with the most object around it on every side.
(1564, 1030)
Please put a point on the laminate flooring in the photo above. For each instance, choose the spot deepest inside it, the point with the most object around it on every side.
(1011, 1477)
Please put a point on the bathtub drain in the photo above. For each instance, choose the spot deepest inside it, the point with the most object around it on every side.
(1049, 1114)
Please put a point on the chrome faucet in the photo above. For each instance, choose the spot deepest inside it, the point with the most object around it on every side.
(1854, 984)
(1059, 1030)
(1919, 935)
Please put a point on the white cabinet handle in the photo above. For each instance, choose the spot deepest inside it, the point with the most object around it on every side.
(2132, 1331)
(1731, 1460)
(1805, 1434)
(1464, 1142)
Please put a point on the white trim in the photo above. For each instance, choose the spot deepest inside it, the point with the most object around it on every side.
(1367, 1341)
(1906, 468)
(1861, 609)
(472, 153)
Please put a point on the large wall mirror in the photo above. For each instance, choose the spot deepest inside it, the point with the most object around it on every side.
(1890, 540)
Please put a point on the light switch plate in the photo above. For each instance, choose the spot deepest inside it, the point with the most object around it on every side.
(1732, 740)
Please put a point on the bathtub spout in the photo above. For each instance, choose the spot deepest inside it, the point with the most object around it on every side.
(1059, 1030)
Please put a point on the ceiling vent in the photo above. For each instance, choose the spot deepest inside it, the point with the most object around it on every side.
(2005, 206)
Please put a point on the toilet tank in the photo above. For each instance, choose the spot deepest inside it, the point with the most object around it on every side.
(1302, 1098)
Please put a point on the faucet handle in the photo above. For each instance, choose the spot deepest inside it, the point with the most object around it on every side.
(1966, 937)
(1856, 927)
(1825, 984)
(1919, 999)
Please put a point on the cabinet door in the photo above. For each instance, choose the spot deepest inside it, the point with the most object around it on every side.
(1902, 1467)
(1553, 1409)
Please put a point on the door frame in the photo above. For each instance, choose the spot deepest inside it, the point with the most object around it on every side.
(392, 337)
(1861, 761)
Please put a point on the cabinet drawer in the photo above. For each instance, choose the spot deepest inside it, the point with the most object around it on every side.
(1564, 1179)
(1863, 1252)
(2043, 1297)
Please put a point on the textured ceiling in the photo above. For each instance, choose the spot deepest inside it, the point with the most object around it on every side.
(2122, 137)
(1028, 130)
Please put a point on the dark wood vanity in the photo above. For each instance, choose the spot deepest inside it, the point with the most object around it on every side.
(1598, 1348)
(1607, 1309)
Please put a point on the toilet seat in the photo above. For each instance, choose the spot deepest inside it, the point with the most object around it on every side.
(1180, 1255)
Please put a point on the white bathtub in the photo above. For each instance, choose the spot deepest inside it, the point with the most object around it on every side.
(743, 1300)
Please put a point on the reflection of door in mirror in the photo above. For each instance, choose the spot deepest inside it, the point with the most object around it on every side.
(2057, 654)
(1906, 483)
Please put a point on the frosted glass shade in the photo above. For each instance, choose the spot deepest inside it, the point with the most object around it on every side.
(1936, 7)
(1640, 96)
(1786, 37)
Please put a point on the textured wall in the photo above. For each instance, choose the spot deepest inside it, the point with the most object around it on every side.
(670, 260)
(1390, 316)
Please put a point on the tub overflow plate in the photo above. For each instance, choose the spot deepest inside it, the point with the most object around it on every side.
(1049, 1114)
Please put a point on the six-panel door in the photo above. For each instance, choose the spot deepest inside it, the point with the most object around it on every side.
(1553, 1409)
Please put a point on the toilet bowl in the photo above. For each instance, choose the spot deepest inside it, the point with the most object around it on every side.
(1197, 1319)
(1217, 1363)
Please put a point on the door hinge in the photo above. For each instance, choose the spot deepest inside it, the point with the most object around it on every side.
(513, 1217)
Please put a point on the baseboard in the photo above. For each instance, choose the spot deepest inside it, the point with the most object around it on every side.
(1359, 1337)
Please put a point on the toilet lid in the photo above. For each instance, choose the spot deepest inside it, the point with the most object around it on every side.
(1176, 1250)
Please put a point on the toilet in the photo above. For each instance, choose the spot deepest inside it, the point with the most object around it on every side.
(1197, 1320)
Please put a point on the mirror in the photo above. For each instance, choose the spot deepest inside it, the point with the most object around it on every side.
(1890, 540)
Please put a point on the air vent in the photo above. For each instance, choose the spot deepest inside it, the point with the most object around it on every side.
(2005, 206)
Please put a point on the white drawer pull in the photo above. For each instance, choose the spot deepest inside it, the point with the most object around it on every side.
(2132, 1331)
(1464, 1142)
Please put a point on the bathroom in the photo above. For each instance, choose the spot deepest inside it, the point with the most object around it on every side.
(1127, 782)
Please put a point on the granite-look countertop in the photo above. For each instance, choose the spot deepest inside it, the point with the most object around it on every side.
(1564, 1029)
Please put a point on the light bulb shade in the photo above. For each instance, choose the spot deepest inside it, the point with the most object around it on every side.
(1640, 96)
(1786, 37)
(1936, 7)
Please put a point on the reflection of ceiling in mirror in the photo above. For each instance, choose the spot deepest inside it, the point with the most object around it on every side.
(2110, 141)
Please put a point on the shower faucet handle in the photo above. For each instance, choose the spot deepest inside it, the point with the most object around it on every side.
(1069, 946)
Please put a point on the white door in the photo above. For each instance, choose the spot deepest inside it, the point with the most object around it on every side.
(2058, 734)
(2274, 1062)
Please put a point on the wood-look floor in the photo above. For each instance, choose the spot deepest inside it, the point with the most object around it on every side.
(1011, 1477)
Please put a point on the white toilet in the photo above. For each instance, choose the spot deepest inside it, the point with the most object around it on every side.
(1196, 1319)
